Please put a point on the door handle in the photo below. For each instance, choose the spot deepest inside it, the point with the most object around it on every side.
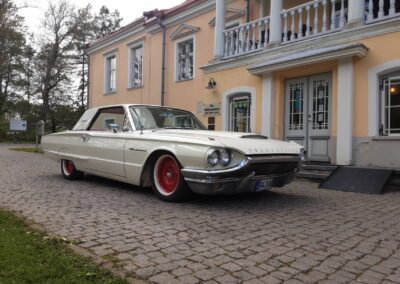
(85, 137)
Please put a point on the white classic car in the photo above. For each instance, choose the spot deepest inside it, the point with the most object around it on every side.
(170, 150)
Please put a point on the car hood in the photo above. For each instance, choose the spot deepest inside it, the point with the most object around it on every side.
(247, 143)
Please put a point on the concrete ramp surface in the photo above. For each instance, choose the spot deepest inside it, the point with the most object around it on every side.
(354, 179)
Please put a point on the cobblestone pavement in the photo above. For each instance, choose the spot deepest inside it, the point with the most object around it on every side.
(292, 235)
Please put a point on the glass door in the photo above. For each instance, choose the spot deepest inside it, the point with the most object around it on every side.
(239, 114)
(308, 115)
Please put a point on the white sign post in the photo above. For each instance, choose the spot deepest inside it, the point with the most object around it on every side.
(39, 133)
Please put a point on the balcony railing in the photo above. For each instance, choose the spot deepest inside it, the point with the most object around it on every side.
(246, 38)
(312, 19)
(378, 10)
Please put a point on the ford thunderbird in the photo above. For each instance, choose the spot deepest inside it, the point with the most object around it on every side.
(170, 150)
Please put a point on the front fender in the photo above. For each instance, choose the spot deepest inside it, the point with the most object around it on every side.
(140, 155)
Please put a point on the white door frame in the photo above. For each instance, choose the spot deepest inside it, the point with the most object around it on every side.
(315, 141)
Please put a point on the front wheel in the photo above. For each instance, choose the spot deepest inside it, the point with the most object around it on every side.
(69, 171)
(167, 180)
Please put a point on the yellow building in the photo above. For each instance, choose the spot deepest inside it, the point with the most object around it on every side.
(323, 73)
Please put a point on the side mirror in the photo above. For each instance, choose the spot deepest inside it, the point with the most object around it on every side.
(114, 127)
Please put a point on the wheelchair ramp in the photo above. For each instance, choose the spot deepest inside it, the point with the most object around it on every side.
(353, 179)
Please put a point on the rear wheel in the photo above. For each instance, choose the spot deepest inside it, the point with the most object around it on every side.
(69, 171)
(167, 179)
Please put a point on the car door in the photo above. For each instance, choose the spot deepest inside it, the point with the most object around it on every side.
(104, 147)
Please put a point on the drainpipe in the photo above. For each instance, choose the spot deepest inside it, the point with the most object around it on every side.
(159, 21)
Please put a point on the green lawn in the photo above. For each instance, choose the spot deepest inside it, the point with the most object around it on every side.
(28, 256)
(27, 149)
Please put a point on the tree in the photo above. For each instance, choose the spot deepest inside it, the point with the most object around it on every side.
(83, 34)
(66, 32)
(90, 28)
(54, 61)
(106, 22)
(12, 41)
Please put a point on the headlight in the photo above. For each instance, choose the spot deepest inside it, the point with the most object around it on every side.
(226, 158)
(213, 158)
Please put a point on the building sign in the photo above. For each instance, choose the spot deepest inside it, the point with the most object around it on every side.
(17, 125)
(212, 110)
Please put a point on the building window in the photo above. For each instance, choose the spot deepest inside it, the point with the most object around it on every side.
(136, 66)
(111, 73)
(239, 115)
(390, 101)
(185, 60)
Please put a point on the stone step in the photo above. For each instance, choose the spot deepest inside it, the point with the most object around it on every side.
(312, 174)
(319, 167)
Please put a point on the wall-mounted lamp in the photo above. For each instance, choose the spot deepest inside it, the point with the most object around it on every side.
(211, 84)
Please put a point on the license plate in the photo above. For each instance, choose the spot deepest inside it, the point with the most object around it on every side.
(263, 184)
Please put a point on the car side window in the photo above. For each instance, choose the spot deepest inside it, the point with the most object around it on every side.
(107, 117)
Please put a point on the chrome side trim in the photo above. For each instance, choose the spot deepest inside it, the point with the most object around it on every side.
(72, 156)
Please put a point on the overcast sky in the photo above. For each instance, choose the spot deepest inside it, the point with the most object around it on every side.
(129, 9)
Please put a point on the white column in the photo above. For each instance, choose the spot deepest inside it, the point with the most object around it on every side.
(344, 143)
(219, 40)
(356, 11)
(266, 107)
(276, 22)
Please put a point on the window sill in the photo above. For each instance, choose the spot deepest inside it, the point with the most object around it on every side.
(184, 80)
(135, 87)
(110, 93)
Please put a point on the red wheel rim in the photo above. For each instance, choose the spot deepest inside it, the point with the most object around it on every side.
(69, 167)
(168, 174)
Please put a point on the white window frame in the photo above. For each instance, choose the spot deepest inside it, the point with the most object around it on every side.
(374, 80)
(177, 42)
(107, 77)
(131, 59)
(386, 129)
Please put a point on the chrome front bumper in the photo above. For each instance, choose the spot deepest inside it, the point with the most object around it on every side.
(243, 178)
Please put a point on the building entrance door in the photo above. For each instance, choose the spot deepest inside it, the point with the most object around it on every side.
(308, 115)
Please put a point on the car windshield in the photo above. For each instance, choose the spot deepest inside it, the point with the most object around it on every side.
(146, 117)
